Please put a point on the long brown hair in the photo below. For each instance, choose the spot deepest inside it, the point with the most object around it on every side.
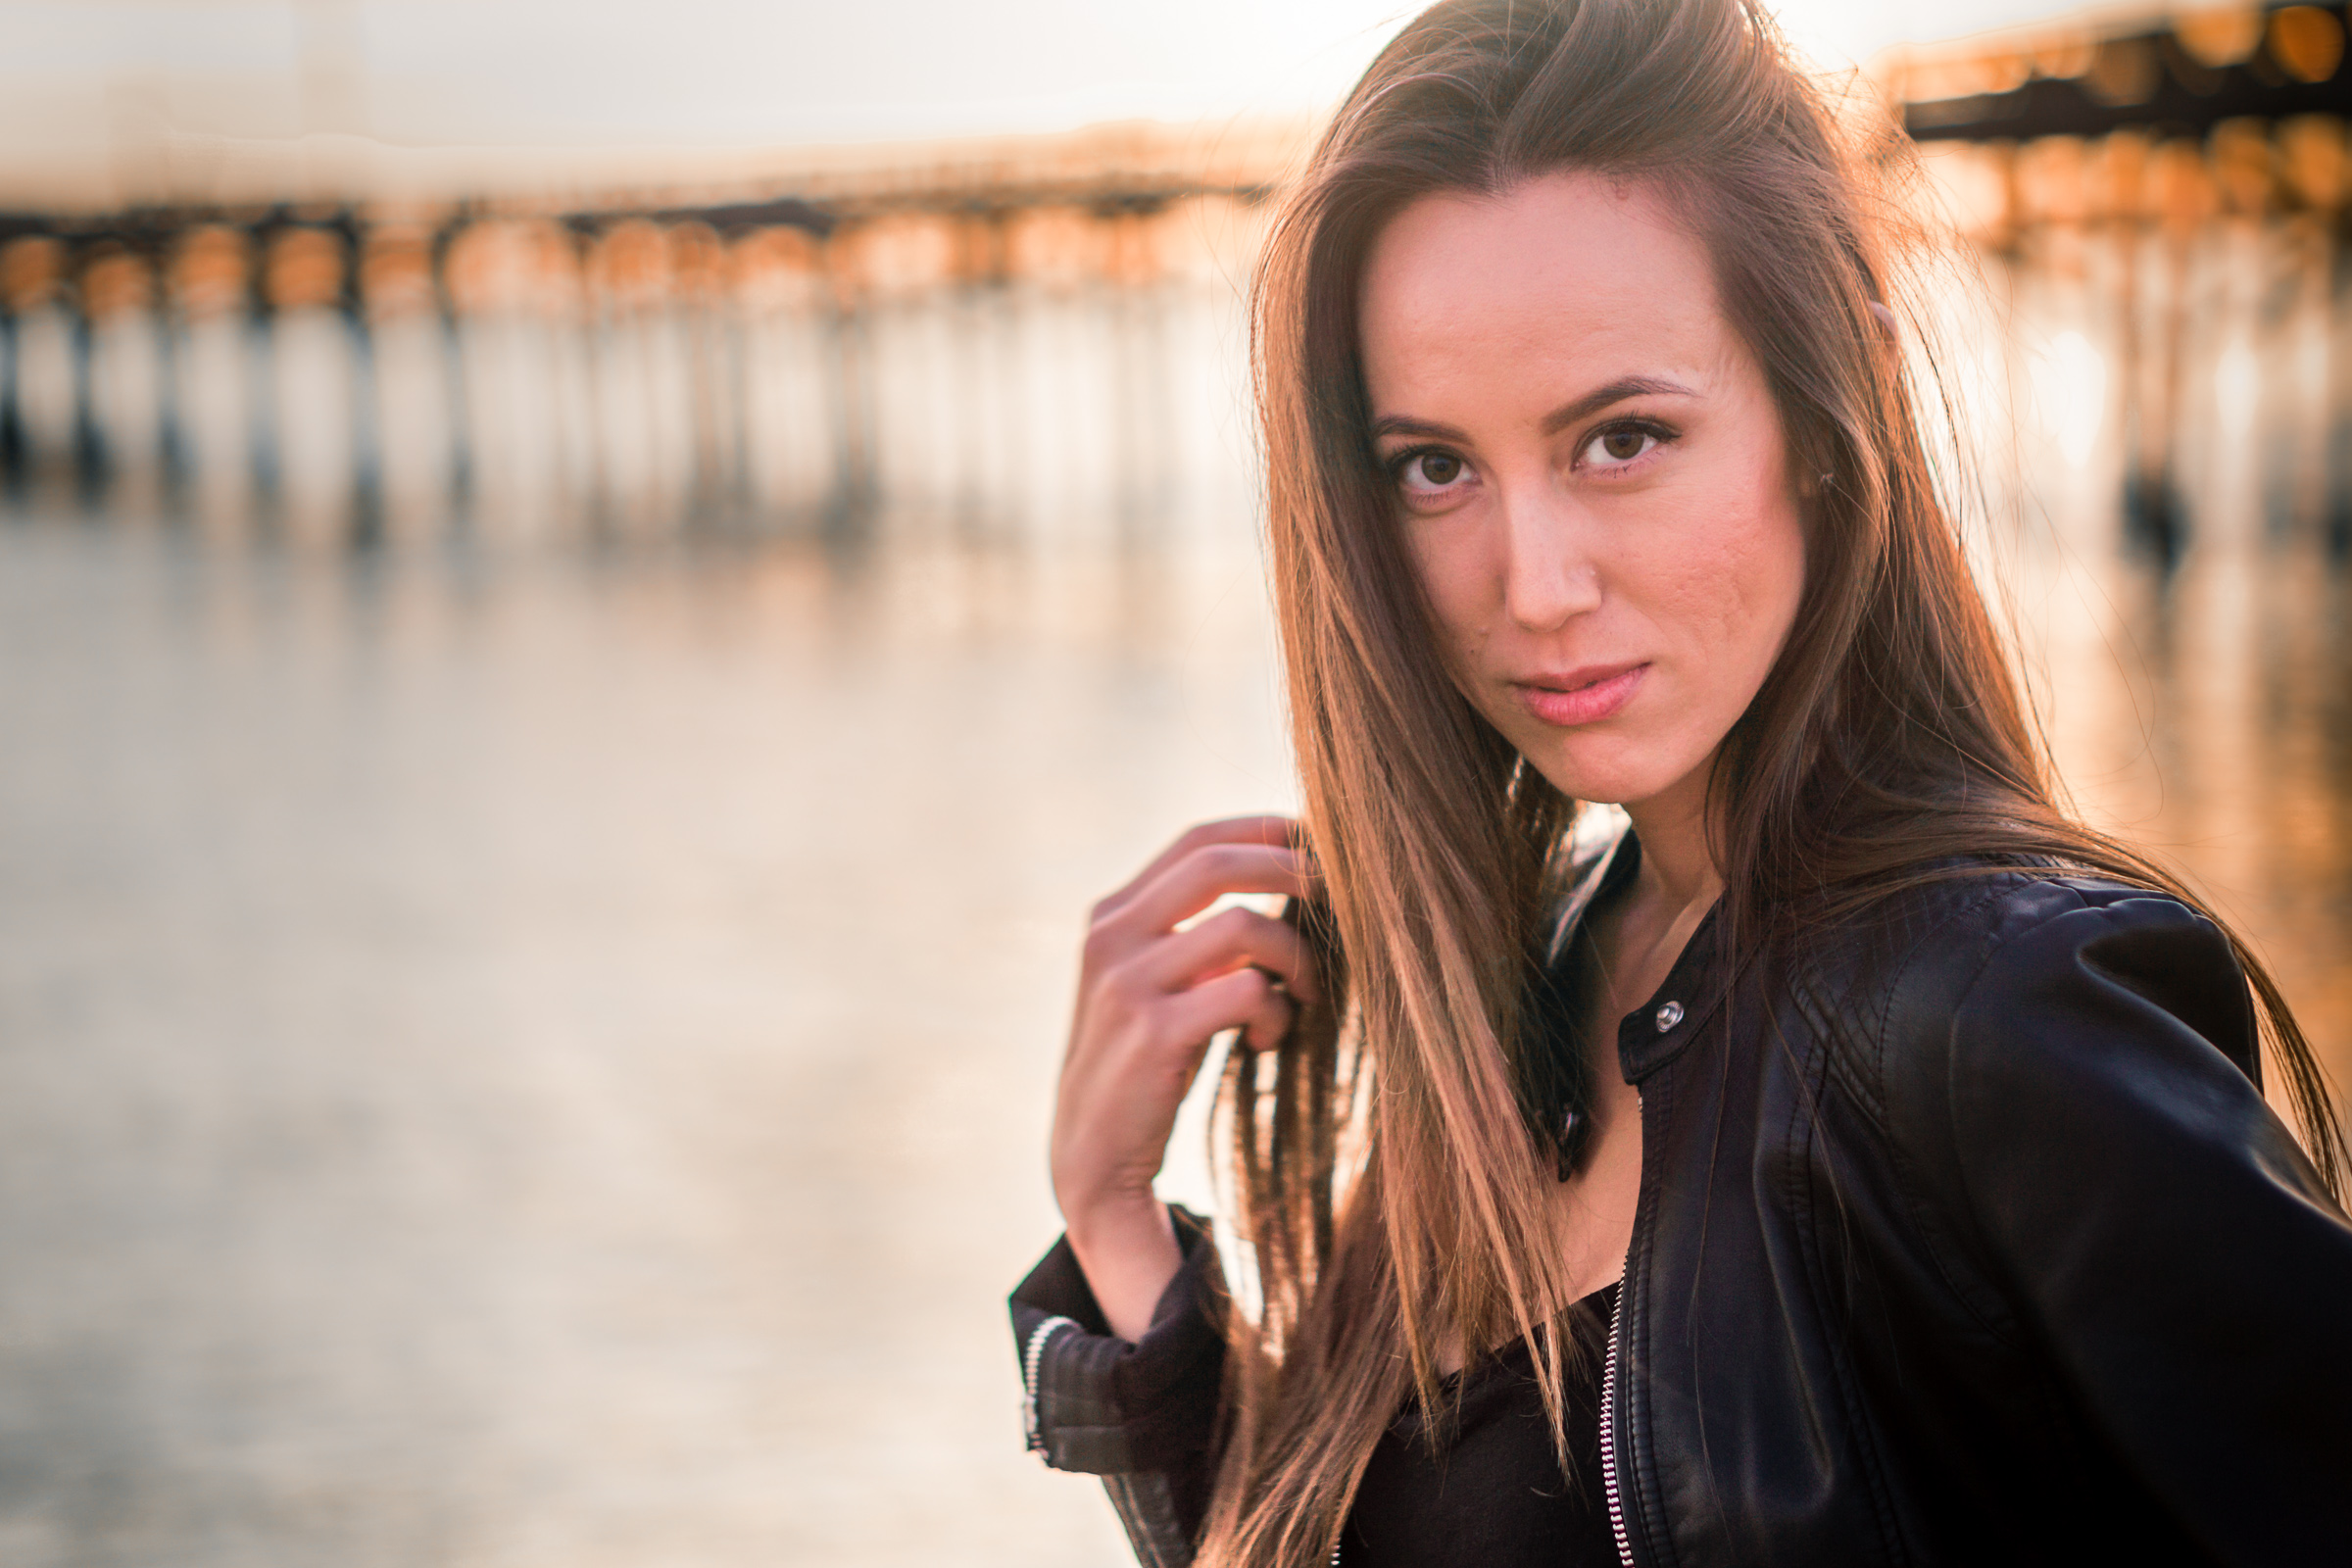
(1389, 1193)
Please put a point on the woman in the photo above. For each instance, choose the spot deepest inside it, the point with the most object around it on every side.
(1854, 1159)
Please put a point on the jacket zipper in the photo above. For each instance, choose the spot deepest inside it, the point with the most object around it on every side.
(1608, 1430)
(1610, 1487)
(1032, 1426)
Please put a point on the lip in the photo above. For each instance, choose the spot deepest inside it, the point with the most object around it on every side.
(1585, 696)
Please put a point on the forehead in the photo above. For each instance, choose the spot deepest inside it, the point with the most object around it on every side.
(1551, 272)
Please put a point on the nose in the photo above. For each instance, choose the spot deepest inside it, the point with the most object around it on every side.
(1549, 573)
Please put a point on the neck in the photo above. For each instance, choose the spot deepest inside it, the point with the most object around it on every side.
(1677, 862)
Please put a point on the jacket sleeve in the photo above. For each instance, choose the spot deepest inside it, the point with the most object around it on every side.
(2156, 1229)
(1143, 1416)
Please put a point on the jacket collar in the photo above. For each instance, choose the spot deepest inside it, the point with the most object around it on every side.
(1693, 991)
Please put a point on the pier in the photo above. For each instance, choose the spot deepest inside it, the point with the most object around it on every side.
(2156, 172)
(641, 364)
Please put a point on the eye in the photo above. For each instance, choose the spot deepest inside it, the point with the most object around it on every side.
(1428, 471)
(1620, 444)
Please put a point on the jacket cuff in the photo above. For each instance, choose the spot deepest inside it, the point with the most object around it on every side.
(1100, 1405)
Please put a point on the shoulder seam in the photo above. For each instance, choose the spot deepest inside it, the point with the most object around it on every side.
(1921, 1192)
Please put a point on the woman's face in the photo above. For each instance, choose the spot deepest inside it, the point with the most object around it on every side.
(1590, 472)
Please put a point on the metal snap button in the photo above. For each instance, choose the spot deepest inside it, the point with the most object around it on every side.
(1669, 1015)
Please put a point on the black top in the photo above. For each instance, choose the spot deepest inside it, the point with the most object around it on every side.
(1496, 1498)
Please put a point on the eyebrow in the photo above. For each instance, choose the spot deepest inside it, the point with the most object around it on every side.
(1559, 420)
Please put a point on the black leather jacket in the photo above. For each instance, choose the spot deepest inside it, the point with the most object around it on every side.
(1970, 1240)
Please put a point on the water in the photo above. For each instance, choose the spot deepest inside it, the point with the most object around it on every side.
(543, 1058)
(552, 1065)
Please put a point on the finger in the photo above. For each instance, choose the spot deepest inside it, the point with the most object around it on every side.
(1269, 831)
(1245, 1000)
(1201, 878)
(1228, 940)
(1185, 889)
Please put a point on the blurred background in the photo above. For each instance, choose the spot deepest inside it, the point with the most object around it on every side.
(588, 593)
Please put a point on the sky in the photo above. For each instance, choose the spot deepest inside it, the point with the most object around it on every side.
(82, 80)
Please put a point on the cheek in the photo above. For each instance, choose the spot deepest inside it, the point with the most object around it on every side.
(1735, 589)
(1458, 586)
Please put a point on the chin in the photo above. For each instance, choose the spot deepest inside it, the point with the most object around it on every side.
(1609, 770)
(1622, 780)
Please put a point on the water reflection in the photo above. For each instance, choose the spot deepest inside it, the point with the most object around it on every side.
(548, 1066)
(542, 1058)
(2192, 661)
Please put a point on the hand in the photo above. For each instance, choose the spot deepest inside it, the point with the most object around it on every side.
(1149, 997)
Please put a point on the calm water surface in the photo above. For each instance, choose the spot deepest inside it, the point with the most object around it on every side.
(551, 1066)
